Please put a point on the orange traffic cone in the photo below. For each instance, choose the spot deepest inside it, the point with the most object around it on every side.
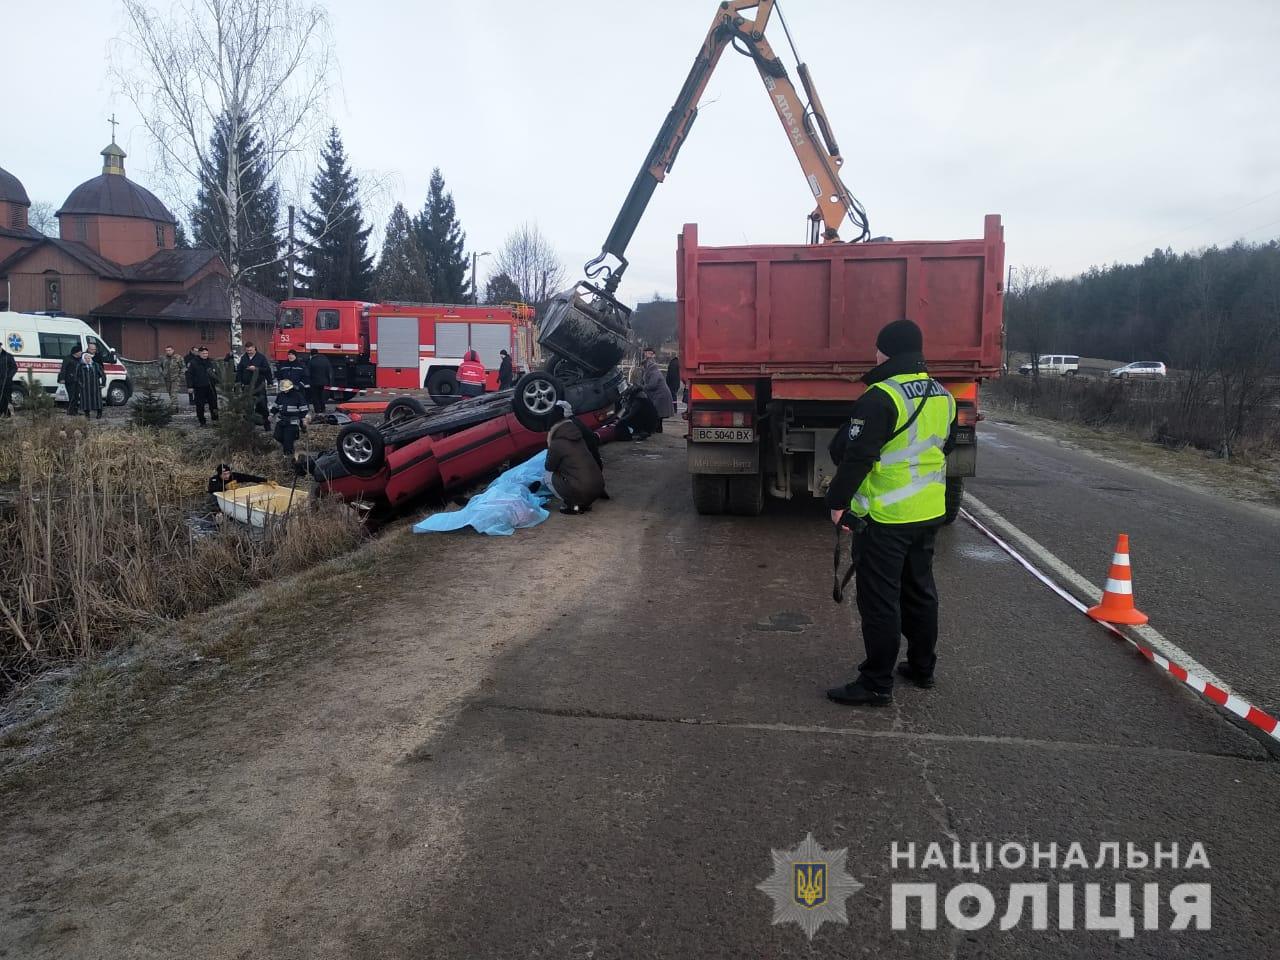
(1117, 599)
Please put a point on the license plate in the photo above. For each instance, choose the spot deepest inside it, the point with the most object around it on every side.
(723, 435)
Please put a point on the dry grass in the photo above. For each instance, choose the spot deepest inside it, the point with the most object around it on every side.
(97, 542)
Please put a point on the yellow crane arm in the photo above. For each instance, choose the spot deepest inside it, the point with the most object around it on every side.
(804, 122)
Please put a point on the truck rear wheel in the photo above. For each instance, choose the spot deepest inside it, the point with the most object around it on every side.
(955, 495)
(710, 494)
(442, 385)
(746, 495)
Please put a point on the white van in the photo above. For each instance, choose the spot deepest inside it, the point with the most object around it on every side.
(40, 343)
(1062, 364)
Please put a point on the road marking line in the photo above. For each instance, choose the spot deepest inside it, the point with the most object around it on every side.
(1207, 684)
(1088, 592)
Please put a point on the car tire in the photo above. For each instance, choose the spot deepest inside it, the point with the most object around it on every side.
(954, 499)
(710, 494)
(118, 394)
(403, 408)
(442, 384)
(534, 400)
(361, 448)
(745, 496)
(566, 371)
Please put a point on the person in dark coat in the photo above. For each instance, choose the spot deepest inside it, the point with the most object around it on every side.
(90, 379)
(572, 471)
(68, 377)
(254, 370)
(202, 385)
(293, 370)
(8, 371)
(290, 407)
(506, 375)
(638, 418)
(655, 388)
(319, 377)
(673, 378)
(225, 479)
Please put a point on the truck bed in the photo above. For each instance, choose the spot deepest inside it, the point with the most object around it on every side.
(808, 315)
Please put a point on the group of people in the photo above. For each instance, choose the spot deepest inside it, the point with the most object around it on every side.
(83, 377)
(650, 399)
(302, 385)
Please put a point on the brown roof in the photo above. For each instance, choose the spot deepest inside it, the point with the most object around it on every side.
(26, 233)
(163, 266)
(207, 301)
(115, 195)
(11, 189)
(72, 248)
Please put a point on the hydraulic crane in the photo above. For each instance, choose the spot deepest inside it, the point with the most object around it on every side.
(804, 121)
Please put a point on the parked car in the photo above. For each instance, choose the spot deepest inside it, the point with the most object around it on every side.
(1140, 368)
(1061, 364)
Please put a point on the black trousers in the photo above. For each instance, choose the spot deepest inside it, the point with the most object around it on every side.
(317, 397)
(205, 397)
(896, 597)
(260, 408)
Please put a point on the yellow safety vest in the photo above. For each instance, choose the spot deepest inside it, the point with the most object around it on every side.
(908, 484)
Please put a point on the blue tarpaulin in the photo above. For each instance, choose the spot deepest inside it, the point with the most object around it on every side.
(505, 506)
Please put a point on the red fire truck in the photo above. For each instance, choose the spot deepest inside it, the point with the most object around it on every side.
(406, 345)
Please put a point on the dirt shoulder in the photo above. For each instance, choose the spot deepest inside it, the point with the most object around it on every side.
(160, 803)
(1254, 482)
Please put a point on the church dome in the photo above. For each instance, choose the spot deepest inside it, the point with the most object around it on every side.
(11, 189)
(112, 194)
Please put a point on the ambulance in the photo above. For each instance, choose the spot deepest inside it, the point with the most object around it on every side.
(39, 343)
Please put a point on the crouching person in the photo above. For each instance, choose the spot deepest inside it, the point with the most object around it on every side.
(573, 469)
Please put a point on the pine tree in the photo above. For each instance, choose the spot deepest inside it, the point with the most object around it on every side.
(402, 268)
(501, 289)
(259, 217)
(180, 240)
(335, 261)
(441, 238)
(149, 408)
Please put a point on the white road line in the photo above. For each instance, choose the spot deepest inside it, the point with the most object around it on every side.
(1087, 592)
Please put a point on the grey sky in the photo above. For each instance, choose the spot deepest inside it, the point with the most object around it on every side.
(1098, 130)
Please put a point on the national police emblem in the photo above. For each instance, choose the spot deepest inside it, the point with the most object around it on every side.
(855, 428)
(809, 886)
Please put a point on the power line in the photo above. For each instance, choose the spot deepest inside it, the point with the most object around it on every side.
(1217, 216)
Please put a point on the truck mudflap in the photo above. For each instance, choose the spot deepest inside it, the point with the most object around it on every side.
(962, 461)
(724, 459)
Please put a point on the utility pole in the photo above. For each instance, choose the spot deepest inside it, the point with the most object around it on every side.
(289, 255)
(475, 292)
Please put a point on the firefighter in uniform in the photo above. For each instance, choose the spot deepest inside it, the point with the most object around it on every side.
(890, 490)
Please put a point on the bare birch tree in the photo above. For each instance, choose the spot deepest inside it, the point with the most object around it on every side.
(41, 217)
(528, 258)
(226, 67)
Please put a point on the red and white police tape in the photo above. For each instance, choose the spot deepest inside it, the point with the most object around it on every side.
(361, 393)
(1223, 698)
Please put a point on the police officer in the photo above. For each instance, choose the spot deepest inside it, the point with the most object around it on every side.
(890, 488)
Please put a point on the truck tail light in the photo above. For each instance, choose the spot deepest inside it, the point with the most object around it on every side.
(966, 414)
(722, 418)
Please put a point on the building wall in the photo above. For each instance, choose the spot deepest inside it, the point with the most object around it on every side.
(11, 245)
(146, 339)
(124, 240)
(13, 215)
(79, 290)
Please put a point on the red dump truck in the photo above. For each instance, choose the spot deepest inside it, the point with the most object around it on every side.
(774, 341)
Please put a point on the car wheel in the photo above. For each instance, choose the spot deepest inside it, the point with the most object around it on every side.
(17, 396)
(443, 386)
(710, 494)
(403, 408)
(118, 394)
(361, 449)
(954, 499)
(536, 395)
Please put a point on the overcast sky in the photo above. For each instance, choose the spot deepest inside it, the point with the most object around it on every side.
(1099, 130)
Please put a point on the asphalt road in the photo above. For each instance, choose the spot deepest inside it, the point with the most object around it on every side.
(646, 725)
(1205, 567)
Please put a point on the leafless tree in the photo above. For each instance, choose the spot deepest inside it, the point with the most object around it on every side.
(41, 217)
(1026, 315)
(229, 65)
(528, 258)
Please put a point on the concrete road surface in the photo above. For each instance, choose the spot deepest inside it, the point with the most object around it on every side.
(639, 720)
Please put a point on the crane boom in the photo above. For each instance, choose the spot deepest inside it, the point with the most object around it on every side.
(804, 123)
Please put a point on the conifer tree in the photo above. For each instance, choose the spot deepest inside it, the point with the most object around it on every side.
(442, 241)
(402, 268)
(335, 259)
